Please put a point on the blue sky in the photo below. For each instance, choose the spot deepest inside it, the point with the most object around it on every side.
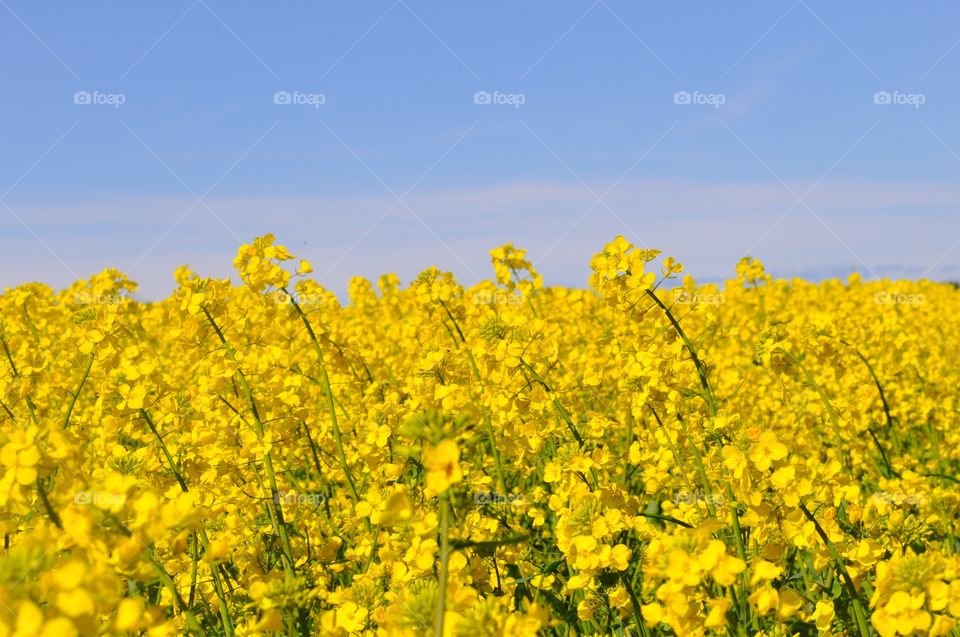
(148, 135)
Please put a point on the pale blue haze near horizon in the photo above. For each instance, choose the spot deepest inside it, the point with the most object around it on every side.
(820, 137)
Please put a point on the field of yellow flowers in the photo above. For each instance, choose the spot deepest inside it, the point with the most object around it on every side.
(647, 457)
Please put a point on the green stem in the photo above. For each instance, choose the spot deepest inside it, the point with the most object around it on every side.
(444, 563)
(6, 350)
(823, 397)
(701, 469)
(167, 581)
(165, 450)
(891, 429)
(701, 368)
(273, 505)
(47, 506)
(635, 603)
(855, 600)
(712, 406)
(328, 391)
(491, 437)
(217, 584)
(76, 394)
(564, 414)
(32, 409)
(7, 409)
(883, 396)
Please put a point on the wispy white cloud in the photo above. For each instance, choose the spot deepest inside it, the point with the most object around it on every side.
(707, 225)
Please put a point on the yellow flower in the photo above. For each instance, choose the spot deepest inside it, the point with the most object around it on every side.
(790, 602)
(129, 613)
(764, 571)
(652, 613)
(717, 617)
(594, 449)
(620, 557)
(735, 460)
(767, 450)
(764, 599)
(132, 397)
(304, 267)
(20, 457)
(443, 466)
(823, 615)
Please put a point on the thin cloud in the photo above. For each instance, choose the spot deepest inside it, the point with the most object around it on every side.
(908, 220)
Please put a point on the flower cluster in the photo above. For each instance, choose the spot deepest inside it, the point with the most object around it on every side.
(647, 456)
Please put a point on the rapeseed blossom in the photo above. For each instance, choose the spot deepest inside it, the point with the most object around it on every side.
(646, 456)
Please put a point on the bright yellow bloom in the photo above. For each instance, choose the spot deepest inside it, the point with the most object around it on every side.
(443, 466)
(268, 458)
